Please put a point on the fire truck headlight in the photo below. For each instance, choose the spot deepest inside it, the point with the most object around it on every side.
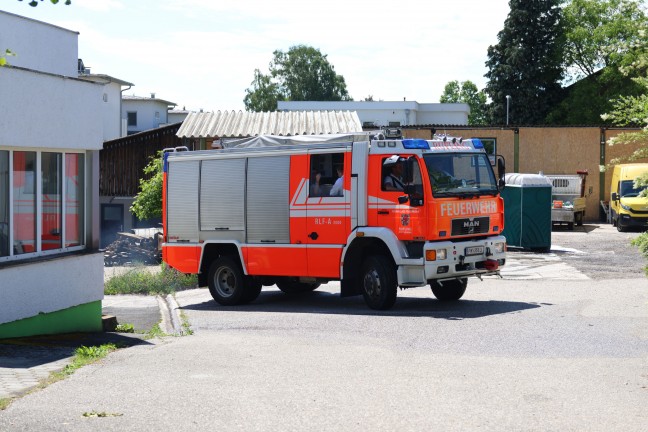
(499, 247)
(433, 255)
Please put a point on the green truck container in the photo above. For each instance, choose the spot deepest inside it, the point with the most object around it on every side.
(527, 211)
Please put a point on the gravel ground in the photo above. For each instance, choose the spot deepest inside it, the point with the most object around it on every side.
(599, 251)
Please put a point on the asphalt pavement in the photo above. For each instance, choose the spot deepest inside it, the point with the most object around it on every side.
(24, 362)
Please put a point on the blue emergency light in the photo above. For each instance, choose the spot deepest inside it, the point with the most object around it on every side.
(416, 144)
(477, 144)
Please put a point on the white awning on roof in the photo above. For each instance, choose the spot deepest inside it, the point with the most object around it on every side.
(239, 124)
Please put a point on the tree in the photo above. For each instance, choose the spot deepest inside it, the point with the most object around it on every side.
(148, 201)
(466, 92)
(526, 62)
(598, 39)
(634, 110)
(594, 32)
(303, 73)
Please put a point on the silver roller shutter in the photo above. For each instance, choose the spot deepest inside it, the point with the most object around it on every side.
(267, 200)
(222, 187)
(182, 207)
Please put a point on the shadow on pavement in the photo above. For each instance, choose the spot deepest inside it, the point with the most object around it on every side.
(319, 302)
(34, 351)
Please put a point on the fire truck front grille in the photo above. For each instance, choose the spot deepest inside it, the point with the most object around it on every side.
(468, 226)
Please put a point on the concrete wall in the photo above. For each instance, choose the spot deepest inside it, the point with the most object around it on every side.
(558, 150)
(42, 110)
(44, 106)
(38, 45)
(29, 289)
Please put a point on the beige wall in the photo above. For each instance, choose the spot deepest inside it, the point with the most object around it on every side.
(557, 150)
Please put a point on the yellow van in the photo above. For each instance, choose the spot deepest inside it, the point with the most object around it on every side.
(627, 208)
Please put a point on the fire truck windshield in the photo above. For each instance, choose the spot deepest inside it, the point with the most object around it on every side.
(460, 174)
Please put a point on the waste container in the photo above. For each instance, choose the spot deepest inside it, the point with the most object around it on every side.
(527, 211)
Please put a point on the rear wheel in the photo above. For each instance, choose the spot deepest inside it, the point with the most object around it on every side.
(450, 290)
(228, 285)
(379, 285)
(292, 286)
(578, 218)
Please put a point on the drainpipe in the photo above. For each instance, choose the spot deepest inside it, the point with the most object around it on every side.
(516, 150)
(121, 98)
(602, 141)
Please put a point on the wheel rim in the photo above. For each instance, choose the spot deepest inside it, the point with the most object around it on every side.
(372, 284)
(225, 282)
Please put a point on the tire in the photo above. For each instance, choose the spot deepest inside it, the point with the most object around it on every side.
(570, 226)
(227, 284)
(578, 218)
(252, 289)
(451, 290)
(620, 227)
(291, 286)
(379, 285)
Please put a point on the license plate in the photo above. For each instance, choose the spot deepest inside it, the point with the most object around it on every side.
(474, 250)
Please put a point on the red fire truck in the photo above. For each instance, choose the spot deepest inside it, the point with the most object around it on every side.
(375, 214)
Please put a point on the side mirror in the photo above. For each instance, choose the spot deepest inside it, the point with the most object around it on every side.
(615, 197)
(403, 199)
(501, 170)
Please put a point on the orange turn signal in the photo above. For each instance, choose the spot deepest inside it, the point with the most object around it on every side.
(430, 255)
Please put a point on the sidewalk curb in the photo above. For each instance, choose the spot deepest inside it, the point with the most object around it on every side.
(171, 323)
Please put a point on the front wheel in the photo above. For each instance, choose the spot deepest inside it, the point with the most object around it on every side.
(379, 285)
(450, 290)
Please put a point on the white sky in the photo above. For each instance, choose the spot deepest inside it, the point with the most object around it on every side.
(201, 54)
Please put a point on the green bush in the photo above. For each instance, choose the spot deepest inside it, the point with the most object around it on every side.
(140, 280)
(642, 243)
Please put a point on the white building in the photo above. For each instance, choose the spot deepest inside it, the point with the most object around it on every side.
(114, 124)
(385, 113)
(144, 113)
(51, 131)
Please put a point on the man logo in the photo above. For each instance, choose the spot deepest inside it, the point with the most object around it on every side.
(470, 225)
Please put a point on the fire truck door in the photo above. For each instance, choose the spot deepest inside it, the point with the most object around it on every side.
(406, 219)
(328, 211)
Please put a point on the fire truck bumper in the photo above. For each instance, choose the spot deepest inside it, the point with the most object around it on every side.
(451, 260)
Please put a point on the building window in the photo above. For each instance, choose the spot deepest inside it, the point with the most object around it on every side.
(490, 145)
(51, 203)
(157, 115)
(4, 203)
(24, 202)
(74, 202)
(132, 118)
(42, 206)
(394, 124)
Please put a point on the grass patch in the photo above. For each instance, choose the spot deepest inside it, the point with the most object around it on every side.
(84, 356)
(125, 328)
(4, 403)
(140, 280)
(155, 332)
(186, 327)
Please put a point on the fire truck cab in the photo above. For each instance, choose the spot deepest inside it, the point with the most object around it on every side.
(300, 211)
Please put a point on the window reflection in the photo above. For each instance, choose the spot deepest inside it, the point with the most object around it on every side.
(24, 202)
